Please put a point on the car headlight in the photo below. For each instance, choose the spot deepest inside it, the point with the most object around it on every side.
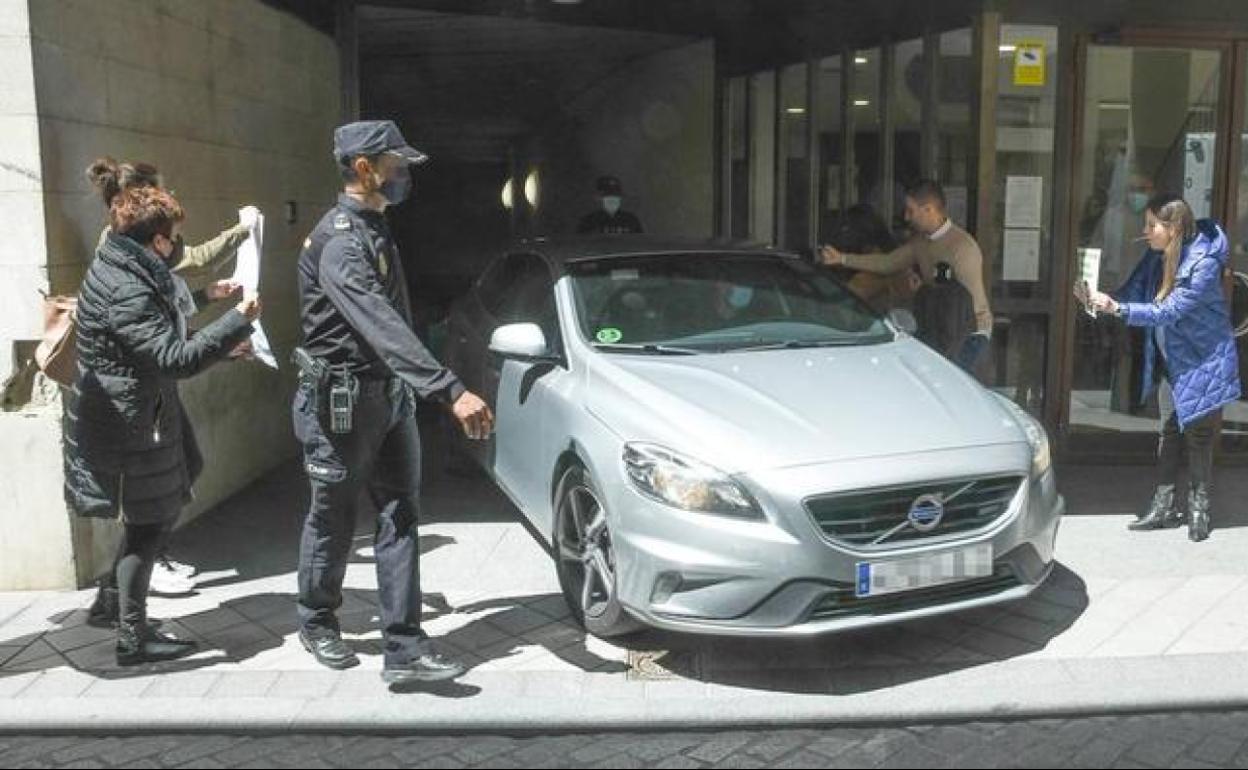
(682, 482)
(1041, 459)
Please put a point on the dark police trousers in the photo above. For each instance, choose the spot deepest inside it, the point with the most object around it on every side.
(381, 455)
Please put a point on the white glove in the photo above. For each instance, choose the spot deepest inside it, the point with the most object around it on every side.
(249, 216)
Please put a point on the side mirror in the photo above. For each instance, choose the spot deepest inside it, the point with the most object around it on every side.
(903, 319)
(524, 341)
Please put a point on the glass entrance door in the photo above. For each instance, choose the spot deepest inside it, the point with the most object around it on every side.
(1150, 123)
(1235, 416)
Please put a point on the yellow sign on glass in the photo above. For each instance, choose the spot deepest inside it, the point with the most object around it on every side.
(1029, 64)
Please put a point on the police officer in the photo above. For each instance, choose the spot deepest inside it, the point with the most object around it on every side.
(361, 369)
(609, 219)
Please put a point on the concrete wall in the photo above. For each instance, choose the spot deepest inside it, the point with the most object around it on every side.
(652, 124)
(235, 102)
(36, 545)
(23, 260)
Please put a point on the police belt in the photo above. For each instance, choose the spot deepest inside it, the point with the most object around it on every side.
(320, 375)
(376, 386)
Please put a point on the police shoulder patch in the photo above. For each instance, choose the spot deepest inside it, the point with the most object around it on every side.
(342, 222)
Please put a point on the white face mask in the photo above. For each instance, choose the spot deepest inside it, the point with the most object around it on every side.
(611, 204)
(740, 296)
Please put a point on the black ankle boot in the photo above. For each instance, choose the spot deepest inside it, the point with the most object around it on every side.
(1198, 508)
(1161, 512)
(140, 643)
(105, 609)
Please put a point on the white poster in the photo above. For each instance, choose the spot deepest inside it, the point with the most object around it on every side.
(1022, 255)
(1024, 201)
(247, 273)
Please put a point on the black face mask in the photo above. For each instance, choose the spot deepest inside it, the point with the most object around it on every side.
(175, 256)
(398, 187)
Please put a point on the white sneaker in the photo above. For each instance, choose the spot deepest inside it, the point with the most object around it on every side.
(189, 570)
(166, 581)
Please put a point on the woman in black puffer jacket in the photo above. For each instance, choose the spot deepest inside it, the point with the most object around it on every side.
(124, 454)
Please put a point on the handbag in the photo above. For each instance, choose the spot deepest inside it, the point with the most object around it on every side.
(57, 353)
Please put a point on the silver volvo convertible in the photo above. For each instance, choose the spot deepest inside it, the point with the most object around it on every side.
(726, 441)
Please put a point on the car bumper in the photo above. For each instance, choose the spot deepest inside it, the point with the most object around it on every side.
(783, 576)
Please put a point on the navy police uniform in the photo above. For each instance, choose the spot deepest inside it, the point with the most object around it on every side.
(609, 223)
(356, 318)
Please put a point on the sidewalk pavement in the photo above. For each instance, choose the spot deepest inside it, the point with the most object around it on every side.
(1128, 622)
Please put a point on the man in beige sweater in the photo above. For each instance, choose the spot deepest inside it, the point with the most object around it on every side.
(937, 239)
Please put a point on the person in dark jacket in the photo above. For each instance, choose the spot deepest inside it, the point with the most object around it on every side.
(1175, 292)
(357, 323)
(944, 312)
(110, 177)
(609, 219)
(126, 427)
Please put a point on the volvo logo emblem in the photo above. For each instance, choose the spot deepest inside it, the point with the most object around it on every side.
(926, 512)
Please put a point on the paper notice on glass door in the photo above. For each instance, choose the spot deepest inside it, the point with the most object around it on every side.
(247, 273)
(1022, 255)
(1024, 201)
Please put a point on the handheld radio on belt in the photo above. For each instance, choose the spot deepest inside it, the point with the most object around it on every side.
(342, 395)
(337, 383)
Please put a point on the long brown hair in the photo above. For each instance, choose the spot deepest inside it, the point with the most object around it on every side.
(1171, 210)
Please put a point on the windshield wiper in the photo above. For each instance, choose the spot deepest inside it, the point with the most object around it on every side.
(648, 348)
(800, 344)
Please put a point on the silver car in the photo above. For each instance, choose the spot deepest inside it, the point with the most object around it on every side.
(726, 441)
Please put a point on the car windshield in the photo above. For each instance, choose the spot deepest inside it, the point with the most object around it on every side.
(691, 303)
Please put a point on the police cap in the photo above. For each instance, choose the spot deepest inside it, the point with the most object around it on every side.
(372, 137)
(609, 185)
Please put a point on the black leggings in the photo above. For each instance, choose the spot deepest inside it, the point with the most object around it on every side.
(109, 580)
(140, 546)
(1198, 438)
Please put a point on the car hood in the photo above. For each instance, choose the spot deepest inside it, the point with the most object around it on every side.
(771, 409)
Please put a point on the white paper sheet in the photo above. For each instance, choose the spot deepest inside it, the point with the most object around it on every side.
(1090, 267)
(1090, 273)
(1022, 255)
(1024, 201)
(247, 273)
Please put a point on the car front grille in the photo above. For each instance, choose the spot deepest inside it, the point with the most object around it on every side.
(861, 519)
(841, 602)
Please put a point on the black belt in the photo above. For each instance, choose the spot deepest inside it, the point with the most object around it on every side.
(375, 386)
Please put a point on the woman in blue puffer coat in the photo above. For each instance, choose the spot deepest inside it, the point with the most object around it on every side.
(1176, 291)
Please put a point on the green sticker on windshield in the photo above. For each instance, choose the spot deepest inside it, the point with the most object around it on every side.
(610, 335)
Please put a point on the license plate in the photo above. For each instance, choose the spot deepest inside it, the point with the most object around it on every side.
(886, 577)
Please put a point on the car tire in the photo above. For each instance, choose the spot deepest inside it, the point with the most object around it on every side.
(587, 569)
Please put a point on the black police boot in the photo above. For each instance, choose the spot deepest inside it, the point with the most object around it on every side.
(1161, 512)
(1198, 509)
(426, 666)
(140, 643)
(329, 650)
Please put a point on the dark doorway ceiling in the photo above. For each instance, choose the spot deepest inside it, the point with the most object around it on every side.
(466, 85)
